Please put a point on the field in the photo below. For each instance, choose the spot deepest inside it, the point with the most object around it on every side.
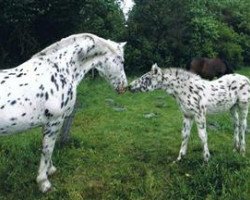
(123, 147)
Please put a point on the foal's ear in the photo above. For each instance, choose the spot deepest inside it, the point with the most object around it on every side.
(122, 44)
(155, 69)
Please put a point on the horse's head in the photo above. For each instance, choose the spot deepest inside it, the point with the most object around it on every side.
(112, 68)
(147, 82)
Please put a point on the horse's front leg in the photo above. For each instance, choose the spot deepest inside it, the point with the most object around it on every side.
(46, 167)
(201, 126)
(187, 125)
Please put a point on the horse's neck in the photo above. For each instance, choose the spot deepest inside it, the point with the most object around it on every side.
(91, 57)
(85, 67)
(176, 79)
(77, 59)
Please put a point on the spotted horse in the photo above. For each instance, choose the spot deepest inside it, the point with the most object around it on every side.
(42, 91)
(198, 97)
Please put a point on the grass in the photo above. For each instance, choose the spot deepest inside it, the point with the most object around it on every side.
(123, 147)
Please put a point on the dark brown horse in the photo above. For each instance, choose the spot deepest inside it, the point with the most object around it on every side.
(209, 68)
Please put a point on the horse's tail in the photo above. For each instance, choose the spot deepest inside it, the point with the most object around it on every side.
(229, 69)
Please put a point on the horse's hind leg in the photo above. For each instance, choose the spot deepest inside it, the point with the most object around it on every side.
(243, 107)
(201, 126)
(46, 167)
(235, 117)
(187, 125)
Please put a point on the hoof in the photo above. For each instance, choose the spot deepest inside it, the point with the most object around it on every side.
(243, 152)
(179, 159)
(236, 148)
(175, 162)
(44, 186)
(206, 157)
(52, 170)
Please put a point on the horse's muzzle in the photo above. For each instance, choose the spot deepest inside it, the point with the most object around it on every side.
(122, 87)
(131, 89)
(121, 90)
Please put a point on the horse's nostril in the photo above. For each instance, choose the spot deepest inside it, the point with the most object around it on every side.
(121, 90)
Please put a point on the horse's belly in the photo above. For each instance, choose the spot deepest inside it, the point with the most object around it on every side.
(19, 118)
(8, 127)
(220, 106)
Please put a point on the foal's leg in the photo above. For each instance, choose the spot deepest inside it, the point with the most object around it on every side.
(243, 106)
(187, 125)
(46, 167)
(201, 126)
(235, 116)
(52, 168)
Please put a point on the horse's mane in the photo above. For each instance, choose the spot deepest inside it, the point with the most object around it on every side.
(73, 38)
(181, 73)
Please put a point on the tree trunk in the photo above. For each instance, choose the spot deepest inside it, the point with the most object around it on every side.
(65, 130)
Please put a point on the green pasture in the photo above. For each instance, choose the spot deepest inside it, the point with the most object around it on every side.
(123, 147)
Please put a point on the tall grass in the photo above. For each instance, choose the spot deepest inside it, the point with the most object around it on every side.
(123, 147)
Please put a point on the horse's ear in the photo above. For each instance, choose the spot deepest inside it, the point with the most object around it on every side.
(122, 44)
(155, 69)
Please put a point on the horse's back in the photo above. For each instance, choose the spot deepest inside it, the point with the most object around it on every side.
(243, 87)
(238, 85)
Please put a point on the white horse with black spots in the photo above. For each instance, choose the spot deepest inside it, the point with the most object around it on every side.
(42, 91)
(198, 97)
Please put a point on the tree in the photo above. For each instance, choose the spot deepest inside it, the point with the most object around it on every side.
(173, 32)
(158, 33)
(102, 17)
(30, 25)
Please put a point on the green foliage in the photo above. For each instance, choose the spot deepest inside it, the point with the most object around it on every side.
(102, 17)
(30, 25)
(157, 36)
(169, 32)
(176, 31)
(122, 154)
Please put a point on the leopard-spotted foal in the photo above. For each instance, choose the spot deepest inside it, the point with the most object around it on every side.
(198, 97)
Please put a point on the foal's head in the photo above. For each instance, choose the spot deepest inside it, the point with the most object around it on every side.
(148, 82)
